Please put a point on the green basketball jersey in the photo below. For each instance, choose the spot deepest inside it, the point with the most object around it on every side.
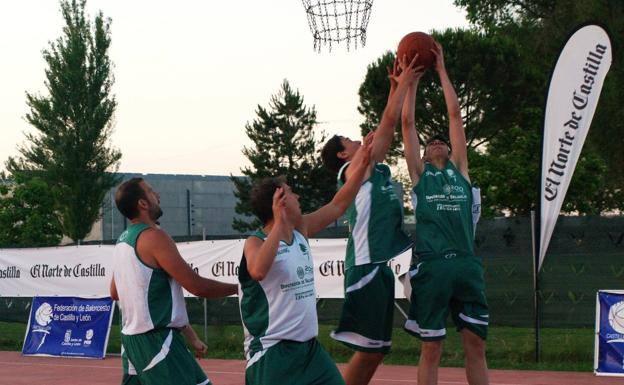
(283, 305)
(148, 298)
(443, 202)
(375, 220)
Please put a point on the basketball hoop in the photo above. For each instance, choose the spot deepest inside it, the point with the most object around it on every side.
(335, 21)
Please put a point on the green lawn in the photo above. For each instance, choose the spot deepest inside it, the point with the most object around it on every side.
(508, 347)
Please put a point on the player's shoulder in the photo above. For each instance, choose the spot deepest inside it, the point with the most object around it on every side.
(153, 237)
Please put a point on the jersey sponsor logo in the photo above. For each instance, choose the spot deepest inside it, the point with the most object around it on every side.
(304, 250)
(429, 173)
(447, 207)
(451, 174)
(123, 236)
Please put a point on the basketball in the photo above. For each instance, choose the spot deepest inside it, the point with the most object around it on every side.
(417, 43)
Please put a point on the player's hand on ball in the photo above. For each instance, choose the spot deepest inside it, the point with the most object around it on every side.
(410, 73)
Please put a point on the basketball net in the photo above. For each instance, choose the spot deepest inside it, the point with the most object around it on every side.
(335, 21)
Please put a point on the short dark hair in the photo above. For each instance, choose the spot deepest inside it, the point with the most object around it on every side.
(329, 154)
(127, 197)
(439, 137)
(261, 197)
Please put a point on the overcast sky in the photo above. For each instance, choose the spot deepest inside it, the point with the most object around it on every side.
(189, 74)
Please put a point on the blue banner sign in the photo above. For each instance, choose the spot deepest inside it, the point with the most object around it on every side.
(68, 327)
(609, 352)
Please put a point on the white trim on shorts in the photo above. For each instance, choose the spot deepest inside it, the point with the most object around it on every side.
(365, 280)
(413, 326)
(359, 340)
(256, 357)
(162, 354)
(473, 320)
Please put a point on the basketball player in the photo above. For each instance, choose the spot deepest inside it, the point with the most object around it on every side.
(376, 236)
(277, 295)
(446, 276)
(148, 277)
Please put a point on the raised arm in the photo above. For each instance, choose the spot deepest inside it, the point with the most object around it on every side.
(385, 131)
(359, 169)
(160, 246)
(457, 136)
(261, 254)
(411, 143)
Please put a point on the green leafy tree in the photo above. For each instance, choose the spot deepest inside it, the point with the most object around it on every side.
(284, 144)
(545, 25)
(27, 217)
(70, 148)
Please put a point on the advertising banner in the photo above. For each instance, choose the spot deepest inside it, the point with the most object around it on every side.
(68, 327)
(573, 96)
(609, 349)
(86, 271)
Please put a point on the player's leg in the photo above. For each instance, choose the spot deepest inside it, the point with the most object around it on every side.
(429, 302)
(471, 315)
(362, 367)
(476, 365)
(366, 320)
(429, 362)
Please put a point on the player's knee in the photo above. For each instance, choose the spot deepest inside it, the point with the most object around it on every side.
(369, 359)
(432, 350)
(474, 346)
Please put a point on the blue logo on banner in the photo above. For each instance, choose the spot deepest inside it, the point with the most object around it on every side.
(611, 333)
(68, 326)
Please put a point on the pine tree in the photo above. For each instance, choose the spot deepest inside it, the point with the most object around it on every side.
(70, 148)
(284, 144)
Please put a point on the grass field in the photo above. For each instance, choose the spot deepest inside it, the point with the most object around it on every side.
(508, 347)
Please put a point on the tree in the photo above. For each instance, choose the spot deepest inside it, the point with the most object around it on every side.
(546, 24)
(70, 149)
(27, 217)
(284, 144)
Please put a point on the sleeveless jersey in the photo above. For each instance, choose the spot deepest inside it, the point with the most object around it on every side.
(148, 298)
(283, 305)
(375, 220)
(445, 210)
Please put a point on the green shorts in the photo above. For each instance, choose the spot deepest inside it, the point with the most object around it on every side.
(366, 319)
(293, 363)
(159, 357)
(441, 284)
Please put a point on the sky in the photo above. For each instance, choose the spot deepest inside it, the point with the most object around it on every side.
(190, 74)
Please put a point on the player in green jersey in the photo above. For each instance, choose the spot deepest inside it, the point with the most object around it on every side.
(446, 275)
(375, 237)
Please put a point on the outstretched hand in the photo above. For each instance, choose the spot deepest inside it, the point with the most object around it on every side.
(409, 72)
(438, 53)
(279, 206)
(393, 74)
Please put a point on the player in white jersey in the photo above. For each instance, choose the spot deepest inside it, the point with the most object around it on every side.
(277, 295)
(148, 278)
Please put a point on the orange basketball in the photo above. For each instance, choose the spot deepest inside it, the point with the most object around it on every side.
(417, 42)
